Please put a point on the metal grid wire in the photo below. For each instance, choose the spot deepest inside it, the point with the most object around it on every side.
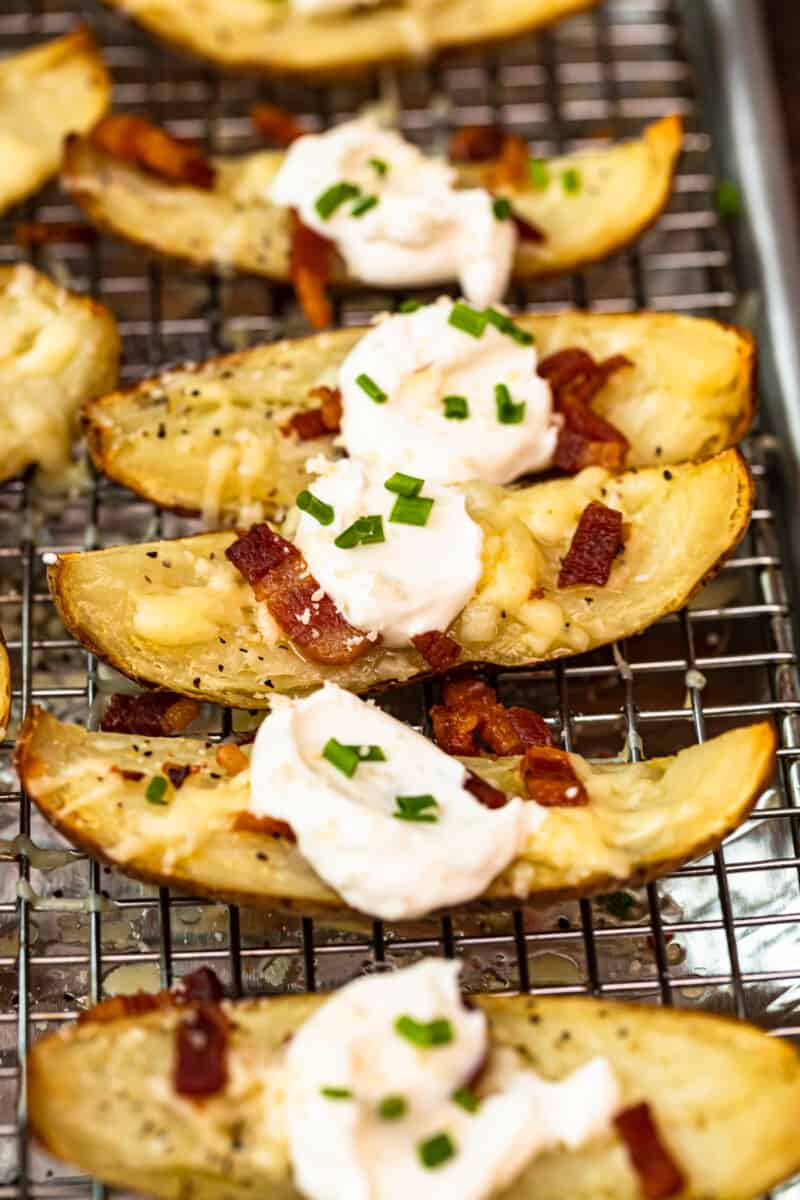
(721, 934)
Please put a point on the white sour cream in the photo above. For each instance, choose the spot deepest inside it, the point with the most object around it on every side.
(418, 359)
(381, 865)
(417, 580)
(422, 231)
(341, 1149)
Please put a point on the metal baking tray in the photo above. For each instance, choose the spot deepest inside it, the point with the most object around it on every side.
(723, 933)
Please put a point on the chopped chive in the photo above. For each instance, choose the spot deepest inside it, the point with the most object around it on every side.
(411, 510)
(413, 808)
(468, 320)
(363, 532)
(619, 904)
(156, 790)
(501, 207)
(539, 172)
(409, 306)
(404, 485)
(508, 413)
(379, 166)
(425, 1033)
(363, 206)
(336, 1093)
(315, 508)
(344, 758)
(466, 1099)
(508, 327)
(571, 180)
(729, 200)
(371, 388)
(392, 1108)
(331, 199)
(456, 408)
(436, 1150)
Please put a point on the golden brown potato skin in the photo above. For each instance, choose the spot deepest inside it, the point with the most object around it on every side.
(5, 687)
(246, 35)
(689, 803)
(725, 1097)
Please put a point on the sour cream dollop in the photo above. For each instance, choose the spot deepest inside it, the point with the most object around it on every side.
(417, 580)
(382, 864)
(420, 359)
(420, 231)
(349, 1059)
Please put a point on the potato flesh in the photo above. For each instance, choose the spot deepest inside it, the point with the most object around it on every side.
(725, 1097)
(209, 439)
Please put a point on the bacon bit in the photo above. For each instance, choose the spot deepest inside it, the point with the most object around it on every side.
(575, 453)
(131, 776)
(586, 439)
(46, 233)
(658, 1172)
(246, 822)
(484, 793)
(511, 168)
(550, 779)
(437, 648)
(198, 987)
(151, 714)
(200, 1067)
(595, 544)
(473, 722)
(310, 271)
(139, 141)
(527, 231)
(276, 124)
(476, 143)
(116, 1008)
(279, 575)
(232, 759)
(177, 774)
(317, 422)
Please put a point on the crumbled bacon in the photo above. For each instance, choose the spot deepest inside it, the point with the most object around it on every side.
(232, 759)
(199, 987)
(511, 168)
(139, 141)
(279, 575)
(152, 714)
(586, 439)
(595, 544)
(485, 793)
(200, 1067)
(527, 231)
(476, 143)
(317, 422)
(658, 1172)
(276, 124)
(310, 271)
(473, 722)
(550, 779)
(246, 822)
(438, 649)
(46, 233)
(127, 773)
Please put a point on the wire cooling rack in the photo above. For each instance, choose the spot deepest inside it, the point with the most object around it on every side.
(721, 934)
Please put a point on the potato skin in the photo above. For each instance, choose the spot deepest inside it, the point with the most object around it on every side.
(5, 687)
(725, 1097)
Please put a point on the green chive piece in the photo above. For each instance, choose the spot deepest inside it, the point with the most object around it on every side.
(404, 485)
(392, 1108)
(409, 306)
(331, 199)
(371, 388)
(508, 327)
(508, 413)
(501, 207)
(436, 1150)
(456, 408)
(729, 200)
(315, 508)
(466, 1099)
(363, 206)
(379, 166)
(571, 180)
(336, 1093)
(344, 758)
(363, 532)
(156, 790)
(411, 510)
(539, 172)
(619, 905)
(468, 320)
(413, 808)
(425, 1033)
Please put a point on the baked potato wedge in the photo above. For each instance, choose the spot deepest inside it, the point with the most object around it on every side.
(5, 687)
(57, 350)
(46, 93)
(623, 189)
(251, 35)
(208, 438)
(725, 1097)
(642, 821)
(179, 615)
